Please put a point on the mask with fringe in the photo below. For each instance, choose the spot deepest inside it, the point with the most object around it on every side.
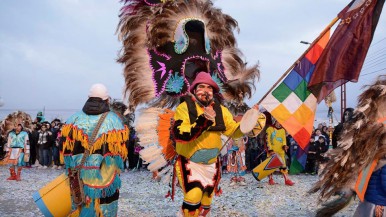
(166, 43)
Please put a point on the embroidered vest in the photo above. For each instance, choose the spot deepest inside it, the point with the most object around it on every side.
(220, 126)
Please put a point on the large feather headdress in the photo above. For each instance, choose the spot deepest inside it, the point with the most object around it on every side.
(13, 119)
(362, 141)
(166, 43)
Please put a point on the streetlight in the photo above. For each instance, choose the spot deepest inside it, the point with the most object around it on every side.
(305, 42)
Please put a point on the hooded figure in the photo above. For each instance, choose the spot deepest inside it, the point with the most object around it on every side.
(347, 116)
(100, 171)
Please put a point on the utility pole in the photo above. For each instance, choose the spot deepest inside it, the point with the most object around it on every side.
(342, 100)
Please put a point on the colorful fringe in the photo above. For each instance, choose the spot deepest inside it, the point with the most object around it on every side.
(106, 191)
(94, 208)
(116, 140)
(163, 130)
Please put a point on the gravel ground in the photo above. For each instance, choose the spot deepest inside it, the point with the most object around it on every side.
(141, 196)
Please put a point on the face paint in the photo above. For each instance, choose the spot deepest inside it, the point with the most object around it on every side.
(204, 93)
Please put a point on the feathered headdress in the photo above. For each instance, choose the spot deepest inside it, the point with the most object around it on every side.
(166, 43)
(362, 141)
(17, 117)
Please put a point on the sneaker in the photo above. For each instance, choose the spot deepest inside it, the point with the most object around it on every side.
(232, 184)
(45, 167)
(242, 183)
(54, 167)
(59, 167)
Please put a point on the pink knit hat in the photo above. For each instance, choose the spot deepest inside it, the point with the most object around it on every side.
(204, 78)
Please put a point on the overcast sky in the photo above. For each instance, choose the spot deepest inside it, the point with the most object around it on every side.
(51, 52)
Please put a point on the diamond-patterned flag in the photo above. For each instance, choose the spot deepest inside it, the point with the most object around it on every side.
(293, 105)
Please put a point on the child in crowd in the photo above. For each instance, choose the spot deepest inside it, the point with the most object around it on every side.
(312, 156)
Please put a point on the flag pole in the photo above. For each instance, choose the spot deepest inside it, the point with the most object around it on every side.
(297, 61)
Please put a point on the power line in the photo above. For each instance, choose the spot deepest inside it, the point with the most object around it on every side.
(378, 42)
(372, 72)
(375, 52)
(372, 65)
(375, 58)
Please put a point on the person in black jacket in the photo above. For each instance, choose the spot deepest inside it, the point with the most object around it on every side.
(312, 156)
(54, 146)
(2, 143)
(33, 140)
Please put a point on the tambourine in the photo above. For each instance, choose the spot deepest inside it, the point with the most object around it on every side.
(252, 123)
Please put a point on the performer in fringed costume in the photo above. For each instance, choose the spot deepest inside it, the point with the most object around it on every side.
(17, 148)
(236, 162)
(236, 165)
(15, 128)
(104, 151)
(277, 144)
(167, 45)
(358, 164)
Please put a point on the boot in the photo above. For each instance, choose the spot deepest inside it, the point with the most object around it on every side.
(204, 212)
(271, 181)
(18, 174)
(287, 181)
(193, 213)
(13, 174)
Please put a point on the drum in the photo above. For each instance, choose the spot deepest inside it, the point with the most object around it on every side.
(267, 167)
(252, 122)
(54, 199)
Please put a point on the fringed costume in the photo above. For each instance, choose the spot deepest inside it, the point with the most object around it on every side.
(18, 149)
(277, 144)
(165, 45)
(236, 166)
(100, 172)
(15, 128)
(198, 143)
(358, 164)
(236, 162)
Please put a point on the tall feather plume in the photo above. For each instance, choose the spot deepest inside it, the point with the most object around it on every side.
(243, 85)
(220, 26)
(359, 144)
(132, 32)
(143, 26)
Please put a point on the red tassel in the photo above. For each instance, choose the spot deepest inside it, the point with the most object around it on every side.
(218, 192)
(168, 195)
